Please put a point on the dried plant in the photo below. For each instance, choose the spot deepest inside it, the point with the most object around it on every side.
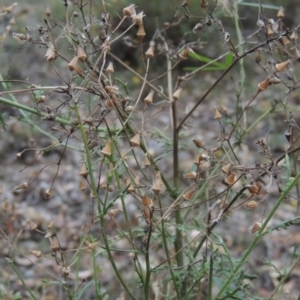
(161, 162)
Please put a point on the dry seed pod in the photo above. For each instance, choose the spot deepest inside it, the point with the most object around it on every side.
(200, 158)
(150, 52)
(282, 66)
(226, 169)
(135, 141)
(72, 65)
(258, 56)
(147, 214)
(138, 19)
(93, 246)
(184, 54)
(81, 54)
(176, 95)
(230, 179)
(256, 227)
(280, 13)
(217, 115)
(8, 9)
(269, 30)
(82, 185)
(12, 21)
(253, 189)
(284, 40)
(157, 184)
(294, 36)
(146, 201)
(48, 194)
(32, 225)
(149, 99)
(36, 253)
(48, 11)
(188, 195)
(114, 212)
(274, 80)
(264, 84)
(20, 37)
(146, 161)
(54, 242)
(130, 188)
(198, 143)
(51, 223)
(66, 271)
(110, 68)
(107, 149)
(129, 11)
(50, 53)
(129, 108)
(22, 186)
(141, 32)
(191, 175)
(251, 204)
(83, 171)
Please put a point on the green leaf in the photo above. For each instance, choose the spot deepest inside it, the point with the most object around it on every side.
(205, 59)
(275, 7)
(83, 290)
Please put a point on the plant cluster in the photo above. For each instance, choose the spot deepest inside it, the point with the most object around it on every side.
(157, 193)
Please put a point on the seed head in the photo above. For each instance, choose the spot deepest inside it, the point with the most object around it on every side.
(129, 11)
(93, 246)
(294, 36)
(32, 225)
(110, 68)
(150, 52)
(48, 11)
(81, 54)
(198, 143)
(157, 183)
(230, 179)
(258, 56)
(20, 37)
(149, 99)
(146, 201)
(251, 204)
(264, 84)
(8, 9)
(36, 253)
(217, 115)
(141, 32)
(138, 19)
(191, 175)
(256, 227)
(73, 63)
(280, 13)
(184, 54)
(136, 140)
(146, 161)
(177, 93)
(226, 169)
(188, 195)
(282, 66)
(50, 53)
(83, 171)
(107, 149)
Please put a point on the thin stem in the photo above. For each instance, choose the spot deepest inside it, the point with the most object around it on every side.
(257, 237)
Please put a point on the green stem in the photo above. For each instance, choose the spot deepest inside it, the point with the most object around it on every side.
(257, 237)
(21, 279)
